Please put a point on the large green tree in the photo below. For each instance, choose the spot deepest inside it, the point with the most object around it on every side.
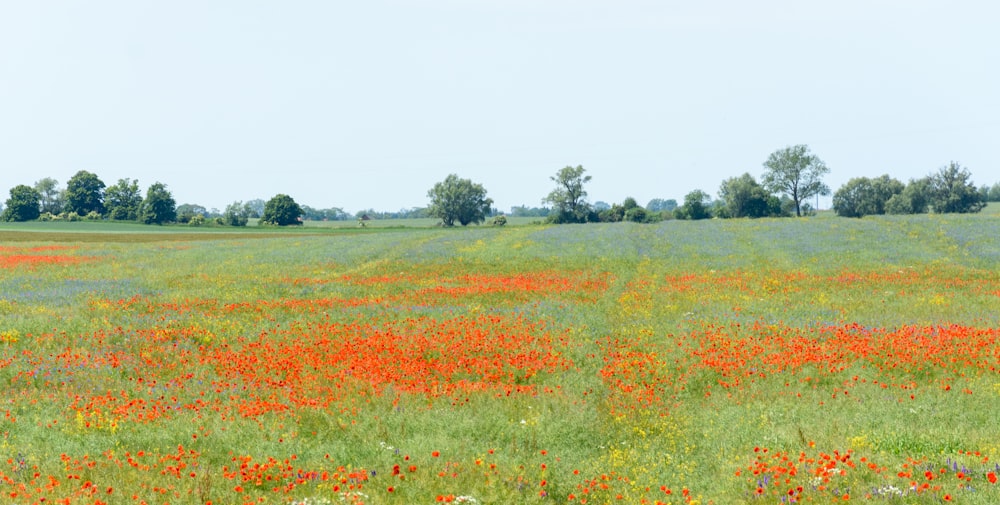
(569, 199)
(952, 191)
(159, 206)
(122, 201)
(281, 210)
(85, 194)
(23, 205)
(795, 172)
(461, 200)
(743, 196)
(52, 196)
(863, 196)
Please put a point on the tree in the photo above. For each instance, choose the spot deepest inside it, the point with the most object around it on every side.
(51, 195)
(793, 171)
(331, 214)
(862, 196)
(85, 194)
(914, 199)
(952, 191)
(188, 211)
(696, 206)
(637, 215)
(281, 211)
(236, 214)
(159, 206)
(743, 197)
(23, 205)
(569, 197)
(993, 193)
(255, 206)
(461, 200)
(525, 211)
(123, 200)
(612, 214)
(659, 205)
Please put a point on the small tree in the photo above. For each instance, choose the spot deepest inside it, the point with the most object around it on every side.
(236, 214)
(23, 205)
(123, 200)
(255, 207)
(85, 194)
(659, 205)
(696, 206)
(461, 200)
(637, 215)
(159, 206)
(52, 196)
(569, 199)
(793, 171)
(993, 193)
(281, 211)
(952, 191)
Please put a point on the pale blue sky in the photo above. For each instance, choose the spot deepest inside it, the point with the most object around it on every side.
(367, 104)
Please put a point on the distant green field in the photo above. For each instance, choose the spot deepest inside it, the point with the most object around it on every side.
(720, 361)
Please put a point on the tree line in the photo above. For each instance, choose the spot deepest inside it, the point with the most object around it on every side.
(791, 177)
(86, 197)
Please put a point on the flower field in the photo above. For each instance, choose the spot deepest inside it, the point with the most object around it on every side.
(771, 361)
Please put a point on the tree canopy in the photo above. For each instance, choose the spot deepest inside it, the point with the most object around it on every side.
(236, 214)
(794, 172)
(455, 199)
(569, 199)
(952, 191)
(159, 206)
(23, 205)
(914, 199)
(123, 200)
(696, 206)
(281, 210)
(743, 197)
(863, 196)
(51, 195)
(85, 194)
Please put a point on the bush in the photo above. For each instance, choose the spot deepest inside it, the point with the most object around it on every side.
(499, 221)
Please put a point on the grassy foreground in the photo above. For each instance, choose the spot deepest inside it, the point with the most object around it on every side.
(769, 361)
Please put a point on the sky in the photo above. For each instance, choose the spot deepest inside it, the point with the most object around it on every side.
(368, 104)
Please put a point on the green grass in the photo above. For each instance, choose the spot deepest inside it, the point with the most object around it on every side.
(690, 344)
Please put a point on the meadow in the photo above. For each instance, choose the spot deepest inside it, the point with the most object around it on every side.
(723, 361)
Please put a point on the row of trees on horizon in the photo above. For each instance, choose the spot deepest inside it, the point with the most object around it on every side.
(791, 177)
